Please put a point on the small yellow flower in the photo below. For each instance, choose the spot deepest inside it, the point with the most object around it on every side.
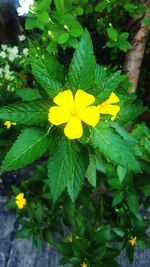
(132, 241)
(20, 200)
(83, 264)
(72, 111)
(70, 238)
(9, 123)
(107, 108)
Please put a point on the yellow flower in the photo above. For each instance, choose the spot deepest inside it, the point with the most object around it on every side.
(72, 111)
(83, 264)
(20, 200)
(107, 108)
(132, 241)
(9, 123)
(70, 238)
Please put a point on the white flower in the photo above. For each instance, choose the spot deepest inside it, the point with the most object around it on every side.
(2, 54)
(13, 53)
(21, 37)
(24, 7)
(4, 47)
(7, 73)
(25, 52)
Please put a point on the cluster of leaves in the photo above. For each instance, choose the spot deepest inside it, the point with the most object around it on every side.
(107, 170)
(61, 22)
(106, 214)
(107, 139)
(96, 228)
(58, 22)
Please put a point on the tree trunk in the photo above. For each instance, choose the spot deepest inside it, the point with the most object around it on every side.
(134, 56)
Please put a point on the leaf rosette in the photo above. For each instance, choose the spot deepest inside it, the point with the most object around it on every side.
(72, 118)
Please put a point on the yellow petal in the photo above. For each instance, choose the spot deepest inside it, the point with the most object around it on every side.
(7, 124)
(73, 129)
(20, 205)
(83, 99)
(58, 115)
(108, 109)
(90, 115)
(24, 201)
(65, 100)
(20, 196)
(113, 110)
(113, 98)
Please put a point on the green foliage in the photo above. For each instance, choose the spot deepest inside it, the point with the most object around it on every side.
(29, 146)
(105, 85)
(47, 71)
(82, 69)
(113, 147)
(93, 186)
(28, 94)
(72, 164)
(118, 40)
(59, 22)
(24, 113)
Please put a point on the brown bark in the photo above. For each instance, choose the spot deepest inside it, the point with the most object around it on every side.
(134, 56)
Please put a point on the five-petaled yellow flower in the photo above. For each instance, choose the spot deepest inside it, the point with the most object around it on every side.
(20, 200)
(72, 110)
(132, 241)
(9, 123)
(83, 264)
(107, 108)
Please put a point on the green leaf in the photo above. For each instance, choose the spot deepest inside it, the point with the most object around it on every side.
(91, 171)
(63, 38)
(133, 204)
(124, 134)
(118, 197)
(42, 5)
(123, 45)
(35, 113)
(146, 21)
(102, 235)
(114, 183)
(43, 16)
(49, 236)
(30, 23)
(82, 69)
(112, 33)
(47, 70)
(60, 5)
(24, 233)
(30, 145)
(129, 111)
(105, 87)
(100, 73)
(121, 173)
(28, 94)
(71, 171)
(76, 29)
(101, 6)
(111, 43)
(118, 231)
(129, 7)
(130, 252)
(113, 147)
(123, 35)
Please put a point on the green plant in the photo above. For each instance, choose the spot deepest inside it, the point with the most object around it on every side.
(85, 74)
(91, 184)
